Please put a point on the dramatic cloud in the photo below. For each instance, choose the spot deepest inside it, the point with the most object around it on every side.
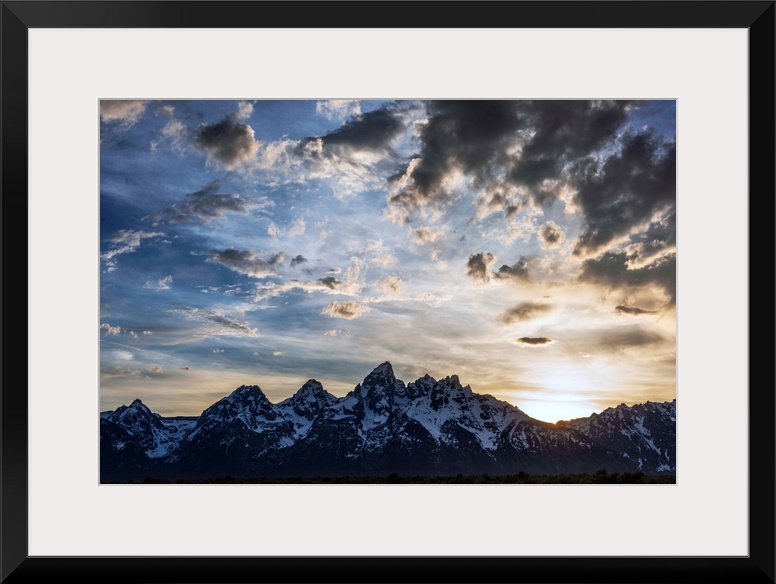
(160, 284)
(562, 132)
(216, 317)
(443, 232)
(524, 311)
(347, 310)
(552, 234)
(469, 137)
(370, 131)
(632, 310)
(297, 260)
(477, 266)
(155, 369)
(245, 262)
(535, 341)
(613, 270)
(626, 192)
(518, 271)
(503, 147)
(126, 111)
(338, 109)
(208, 204)
(228, 142)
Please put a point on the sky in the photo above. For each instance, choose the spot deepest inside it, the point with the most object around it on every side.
(528, 247)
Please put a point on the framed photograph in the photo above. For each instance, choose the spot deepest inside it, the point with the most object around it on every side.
(524, 231)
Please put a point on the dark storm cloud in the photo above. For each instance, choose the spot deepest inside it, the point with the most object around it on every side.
(477, 266)
(518, 271)
(611, 270)
(229, 142)
(524, 311)
(626, 191)
(632, 310)
(564, 131)
(370, 131)
(535, 341)
(468, 135)
(297, 260)
(330, 282)
(245, 262)
(481, 139)
(205, 204)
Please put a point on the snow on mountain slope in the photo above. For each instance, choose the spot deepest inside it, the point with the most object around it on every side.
(643, 433)
(383, 426)
(436, 403)
(148, 430)
(302, 408)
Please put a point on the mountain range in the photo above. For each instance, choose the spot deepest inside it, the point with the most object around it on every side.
(427, 427)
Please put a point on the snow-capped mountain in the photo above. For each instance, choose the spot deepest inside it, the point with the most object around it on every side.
(302, 408)
(644, 433)
(156, 436)
(426, 427)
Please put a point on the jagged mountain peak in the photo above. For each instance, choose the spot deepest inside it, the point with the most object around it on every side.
(428, 426)
(247, 390)
(311, 386)
(383, 370)
(311, 392)
(451, 380)
(136, 409)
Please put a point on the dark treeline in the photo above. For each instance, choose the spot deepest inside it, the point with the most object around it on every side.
(599, 477)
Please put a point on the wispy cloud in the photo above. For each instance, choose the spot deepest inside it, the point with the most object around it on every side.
(224, 324)
(125, 241)
(161, 284)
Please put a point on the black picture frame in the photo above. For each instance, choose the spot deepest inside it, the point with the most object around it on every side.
(758, 17)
